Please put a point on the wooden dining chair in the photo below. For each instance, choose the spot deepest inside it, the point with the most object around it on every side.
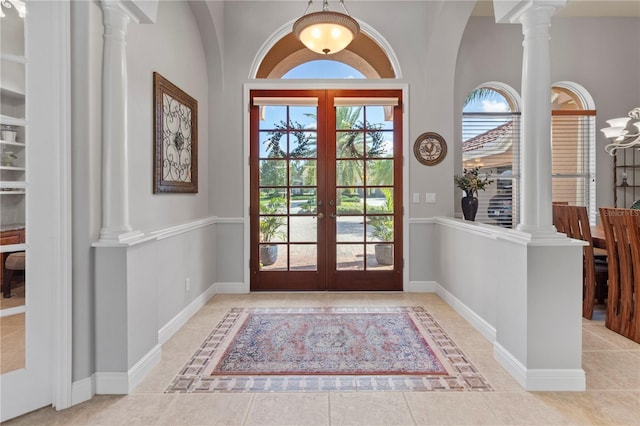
(574, 221)
(622, 233)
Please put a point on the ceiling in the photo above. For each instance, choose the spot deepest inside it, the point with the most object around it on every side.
(627, 8)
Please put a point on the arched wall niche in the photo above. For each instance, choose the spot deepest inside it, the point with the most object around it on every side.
(363, 54)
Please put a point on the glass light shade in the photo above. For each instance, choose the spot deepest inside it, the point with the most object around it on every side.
(612, 132)
(326, 32)
(618, 122)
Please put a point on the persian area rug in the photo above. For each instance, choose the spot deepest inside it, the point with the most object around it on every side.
(325, 349)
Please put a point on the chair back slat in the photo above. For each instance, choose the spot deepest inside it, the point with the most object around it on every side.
(574, 221)
(622, 232)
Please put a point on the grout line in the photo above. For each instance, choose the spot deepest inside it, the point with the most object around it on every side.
(249, 407)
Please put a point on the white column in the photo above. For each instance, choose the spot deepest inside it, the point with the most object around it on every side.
(115, 176)
(536, 199)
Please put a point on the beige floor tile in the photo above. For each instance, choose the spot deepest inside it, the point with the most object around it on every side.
(611, 370)
(467, 338)
(603, 407)
(608, 359)
(593, 341)
(369, 408)
(134, 409)
(187, 340)
(207, 409)
(348, 299)
(616, 340)
(454, 408)
(496, 375)
(306, 300)
(283, 409)
(528, 408)
(207, 317)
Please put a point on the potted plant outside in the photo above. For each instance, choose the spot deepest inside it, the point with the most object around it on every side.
(270, 230)
(471, 182)
(383, 231)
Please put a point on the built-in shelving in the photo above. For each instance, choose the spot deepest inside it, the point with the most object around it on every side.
(626, 174)
(13, 116)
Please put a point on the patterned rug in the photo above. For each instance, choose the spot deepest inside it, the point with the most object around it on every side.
(323, 349)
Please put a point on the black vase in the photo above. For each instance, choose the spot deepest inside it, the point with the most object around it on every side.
(469, 207)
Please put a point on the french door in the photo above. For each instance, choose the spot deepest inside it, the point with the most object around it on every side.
(326, 190)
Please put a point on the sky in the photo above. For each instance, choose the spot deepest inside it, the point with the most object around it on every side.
(323, 69)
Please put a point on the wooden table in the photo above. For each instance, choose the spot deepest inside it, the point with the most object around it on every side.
(598, 238)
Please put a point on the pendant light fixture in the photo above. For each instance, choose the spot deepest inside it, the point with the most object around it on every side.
(326, 32)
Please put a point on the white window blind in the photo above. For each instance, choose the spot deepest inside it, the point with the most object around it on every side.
(573, 158)
(492, 142)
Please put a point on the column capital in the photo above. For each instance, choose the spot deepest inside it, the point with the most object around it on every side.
(141, 12)
(512, 11)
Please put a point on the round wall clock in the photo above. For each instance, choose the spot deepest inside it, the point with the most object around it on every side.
(430, 148)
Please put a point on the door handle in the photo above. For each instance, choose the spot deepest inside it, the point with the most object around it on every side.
(320, 215)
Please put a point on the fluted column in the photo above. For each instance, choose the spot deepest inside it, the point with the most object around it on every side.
(115, 176)
(535, 196)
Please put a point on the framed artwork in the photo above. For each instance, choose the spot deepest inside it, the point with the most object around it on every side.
(175, 154)
(430, 148)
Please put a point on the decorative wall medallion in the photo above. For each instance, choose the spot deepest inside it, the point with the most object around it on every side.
(430, 148)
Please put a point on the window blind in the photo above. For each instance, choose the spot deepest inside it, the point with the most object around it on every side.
(491, 141)
(573, 158)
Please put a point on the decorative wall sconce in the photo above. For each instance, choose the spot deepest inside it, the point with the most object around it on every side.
(326, 32)
(621, 132)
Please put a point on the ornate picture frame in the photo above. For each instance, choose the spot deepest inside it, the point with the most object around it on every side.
(175, 154)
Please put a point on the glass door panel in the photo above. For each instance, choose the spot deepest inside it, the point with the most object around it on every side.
(13, 188)
(323, 184)
(366, 173)
(287, 192)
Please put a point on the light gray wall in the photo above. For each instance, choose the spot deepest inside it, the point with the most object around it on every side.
(86, 72)
(586, 51)
(173, 47)
(151, 283)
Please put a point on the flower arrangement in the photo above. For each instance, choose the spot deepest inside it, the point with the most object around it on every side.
(471, 182)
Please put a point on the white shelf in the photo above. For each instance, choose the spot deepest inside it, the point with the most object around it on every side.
(14, 58)
(8, 248)
(19, 144)
(14, 184)
(12, 121)
(20, 192)
(13, 168)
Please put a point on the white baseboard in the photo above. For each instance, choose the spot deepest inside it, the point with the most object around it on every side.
(83, 390)
(421, 287)
(555, 380)
(510, 363)
(486, 329)
(172, 327)
(141, 369)
(231, 288)
(558, 380)
(125, 383)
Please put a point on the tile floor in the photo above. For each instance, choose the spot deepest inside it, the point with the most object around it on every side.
(611, 362)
